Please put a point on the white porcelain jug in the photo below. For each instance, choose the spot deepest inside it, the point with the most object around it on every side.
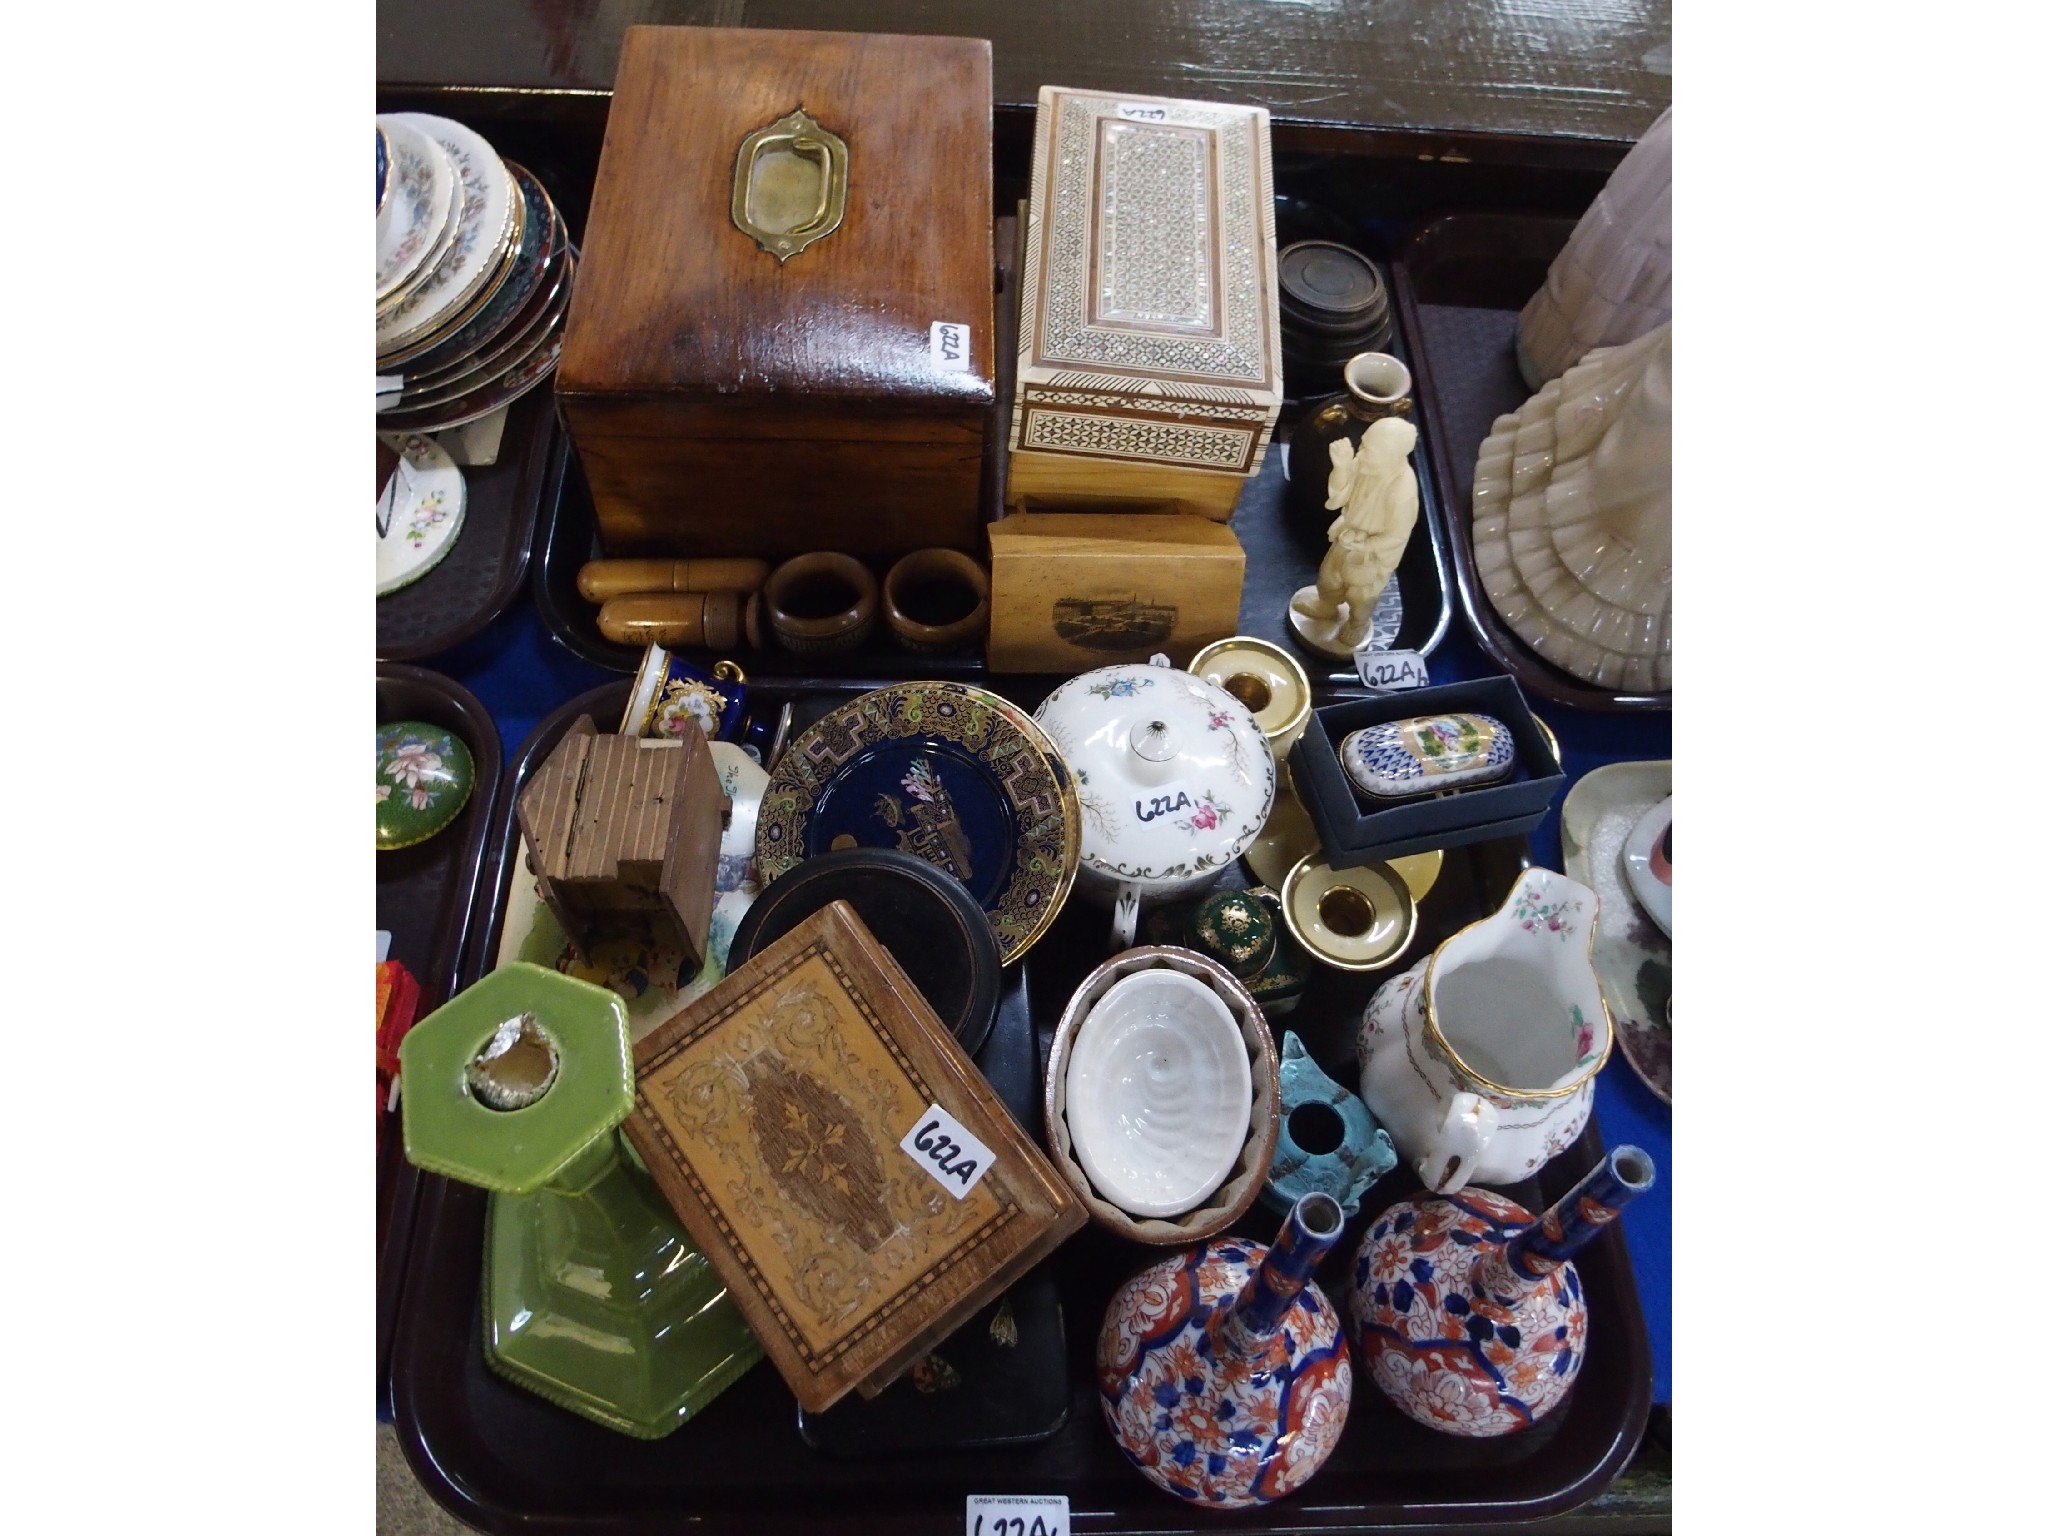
(1480, 1060)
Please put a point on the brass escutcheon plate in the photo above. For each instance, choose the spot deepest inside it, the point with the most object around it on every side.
(789, 184)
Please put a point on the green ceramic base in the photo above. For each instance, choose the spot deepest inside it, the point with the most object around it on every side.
(595, 1299)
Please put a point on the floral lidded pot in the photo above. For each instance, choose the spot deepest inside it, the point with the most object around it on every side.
(1224, 1373)
(1480, 1059)
(1174, 777)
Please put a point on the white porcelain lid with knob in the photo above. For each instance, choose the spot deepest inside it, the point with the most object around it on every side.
(1174, 776)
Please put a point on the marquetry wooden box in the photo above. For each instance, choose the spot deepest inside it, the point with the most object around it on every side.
(825, 381)
(1070, 591)
(1149, 335)
(771, 1113)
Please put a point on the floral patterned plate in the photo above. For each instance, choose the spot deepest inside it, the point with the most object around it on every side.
(548, 301)
(419, 514)
(1630, 953)
(424, 778)
(481, 402)
(491, 226)
(537, 264)
(952, 774)
(418, 196)
(468, 381)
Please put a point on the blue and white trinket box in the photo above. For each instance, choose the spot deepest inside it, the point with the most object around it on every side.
(1427, 754)
(1357, 828)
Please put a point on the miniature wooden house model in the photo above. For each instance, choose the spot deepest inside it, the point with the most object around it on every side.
(623, 828)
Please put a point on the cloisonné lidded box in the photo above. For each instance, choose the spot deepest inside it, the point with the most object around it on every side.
(782, 335)
(1148, 342)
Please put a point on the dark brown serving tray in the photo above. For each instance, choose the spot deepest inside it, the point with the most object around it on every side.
(1460, 282)
(504, 1460)
(483, 574)
(425, 896)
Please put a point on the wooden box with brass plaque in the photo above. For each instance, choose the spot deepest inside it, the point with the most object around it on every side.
(840, 1160)
(1071, 591)
(782, 335)
(1148, 365)
(622, 827)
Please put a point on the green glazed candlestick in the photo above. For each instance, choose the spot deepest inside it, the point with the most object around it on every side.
(594, 1297)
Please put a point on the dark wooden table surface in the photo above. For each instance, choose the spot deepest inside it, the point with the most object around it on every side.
(1462, 72)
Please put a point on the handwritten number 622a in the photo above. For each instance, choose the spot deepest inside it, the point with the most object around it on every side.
(1013, 1525)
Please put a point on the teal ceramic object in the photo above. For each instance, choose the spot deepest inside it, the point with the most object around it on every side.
(424, 778)
(1350, 1151)
(594, 1297)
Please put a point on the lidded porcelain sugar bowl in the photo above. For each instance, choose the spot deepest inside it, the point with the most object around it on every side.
(1174, 776)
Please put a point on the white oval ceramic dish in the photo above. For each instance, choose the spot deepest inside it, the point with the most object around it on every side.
(1159, 1093)
(419, 515)
(492, 217)
(418, 191)
(1648, 866)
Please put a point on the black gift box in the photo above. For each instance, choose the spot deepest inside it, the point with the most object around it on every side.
(1357, 828)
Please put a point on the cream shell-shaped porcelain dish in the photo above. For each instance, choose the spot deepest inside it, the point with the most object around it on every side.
(1174, 777)
(1159, 1093)
(1571, 517)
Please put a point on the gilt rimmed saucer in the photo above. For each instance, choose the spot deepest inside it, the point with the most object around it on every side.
(947, 772)
(537, 263)
(492, 222)
(418, 196)
(502, 364)
(460, 412)
(419, 514)
(1631, 954)
(548, 301)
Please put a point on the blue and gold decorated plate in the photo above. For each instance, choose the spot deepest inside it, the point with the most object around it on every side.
(955, 775)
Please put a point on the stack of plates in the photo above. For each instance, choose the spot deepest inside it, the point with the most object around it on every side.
(473, 273)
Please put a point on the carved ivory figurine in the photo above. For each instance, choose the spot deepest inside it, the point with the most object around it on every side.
(1372, 490)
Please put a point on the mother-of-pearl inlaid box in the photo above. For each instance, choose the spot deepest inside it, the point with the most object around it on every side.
(1148, 344)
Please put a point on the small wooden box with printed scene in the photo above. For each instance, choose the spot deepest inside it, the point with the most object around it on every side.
(1070, 591)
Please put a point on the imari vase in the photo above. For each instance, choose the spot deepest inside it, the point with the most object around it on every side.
(1225, 1377)
(1470, 1313)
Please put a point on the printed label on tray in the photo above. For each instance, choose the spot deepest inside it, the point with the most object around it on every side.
(950, 350)
(1391, 671)
(1141, 112)
(948, 1151)
(1002, 1514)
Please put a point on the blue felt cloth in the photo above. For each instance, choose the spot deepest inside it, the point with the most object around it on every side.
(521, 673)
